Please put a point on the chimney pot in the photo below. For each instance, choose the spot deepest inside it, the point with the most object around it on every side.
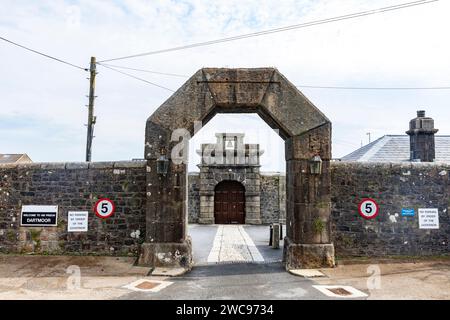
(421, 114)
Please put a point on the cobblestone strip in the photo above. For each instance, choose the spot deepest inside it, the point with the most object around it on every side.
(217, 243)
(233, 244)
(256, 255)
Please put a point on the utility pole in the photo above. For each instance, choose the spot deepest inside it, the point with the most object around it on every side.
(91, 117)
(368, 133)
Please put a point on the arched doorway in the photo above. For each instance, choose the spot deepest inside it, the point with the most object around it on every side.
(229, 203)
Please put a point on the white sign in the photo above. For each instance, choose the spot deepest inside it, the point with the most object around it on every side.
(77, 221)
(39, 216)
(429, 218)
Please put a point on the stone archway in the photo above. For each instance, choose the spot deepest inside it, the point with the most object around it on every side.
(306, 131)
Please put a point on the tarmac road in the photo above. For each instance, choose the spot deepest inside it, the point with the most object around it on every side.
(230, 263)
(236, 275)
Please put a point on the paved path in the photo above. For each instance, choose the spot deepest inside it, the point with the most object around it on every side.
(233, 244)
(213, 244)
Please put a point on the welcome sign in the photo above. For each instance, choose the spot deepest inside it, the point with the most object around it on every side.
(39, 216)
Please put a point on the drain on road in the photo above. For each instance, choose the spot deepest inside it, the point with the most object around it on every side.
(146, 285)
(340, 291)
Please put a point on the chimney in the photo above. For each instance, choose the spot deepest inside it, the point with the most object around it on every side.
(421, 138)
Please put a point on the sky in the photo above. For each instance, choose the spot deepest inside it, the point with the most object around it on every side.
(42, 104)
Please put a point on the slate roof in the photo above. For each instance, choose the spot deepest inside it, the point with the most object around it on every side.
(14, 158)
(395, 148)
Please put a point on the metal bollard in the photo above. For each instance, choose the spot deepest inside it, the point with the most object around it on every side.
(276, 236)
(271, 235)
(281, 231)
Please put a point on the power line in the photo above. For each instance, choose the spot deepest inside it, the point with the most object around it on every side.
(281, 29)
(137, 78)
(43, 54)
(148, 71)
(300, 86)
(374, 88)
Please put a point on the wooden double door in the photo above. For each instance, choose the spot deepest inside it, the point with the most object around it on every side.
(229, 203)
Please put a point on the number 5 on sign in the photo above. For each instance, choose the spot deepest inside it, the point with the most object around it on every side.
(104, 208)
(368, 208)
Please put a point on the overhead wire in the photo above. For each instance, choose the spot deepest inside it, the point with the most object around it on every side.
(43, 54)
(281, 29)
(147, 71)
(137, 78)
(298, 86)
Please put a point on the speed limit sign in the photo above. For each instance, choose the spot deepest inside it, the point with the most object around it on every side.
(104, 208)
(368, 208)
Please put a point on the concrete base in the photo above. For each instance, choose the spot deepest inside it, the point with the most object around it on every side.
(253, 221)
(307, 256)
(166, 255)
(206, 220)
(168, 272)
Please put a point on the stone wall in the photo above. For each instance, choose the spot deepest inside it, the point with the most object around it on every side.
(74, 187)
(77, 186)
(393, 186)
(273, 198)
(193, 197)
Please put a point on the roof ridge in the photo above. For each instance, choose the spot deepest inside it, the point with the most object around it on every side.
(375, 147)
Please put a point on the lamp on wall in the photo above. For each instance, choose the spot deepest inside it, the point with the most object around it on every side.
(162, 164)
(315, 165)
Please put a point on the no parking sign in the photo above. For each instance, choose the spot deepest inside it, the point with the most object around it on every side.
(368, 208)
(104, 208)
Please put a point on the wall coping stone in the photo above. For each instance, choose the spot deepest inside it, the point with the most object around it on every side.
(387, 165)
(101, 165)
(77, 165)
(53, 165)
(272, 174)
(74, 165)
(33, 165)
(130, 164)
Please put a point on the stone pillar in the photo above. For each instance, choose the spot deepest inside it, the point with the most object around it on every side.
(166, 242)
(282, 198)
(252, 196)
(206, 215)
(308, 206)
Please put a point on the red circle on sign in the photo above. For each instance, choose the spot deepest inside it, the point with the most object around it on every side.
(110, 213)
(363, 214)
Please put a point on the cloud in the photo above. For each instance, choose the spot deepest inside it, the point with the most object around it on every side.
(403, 48)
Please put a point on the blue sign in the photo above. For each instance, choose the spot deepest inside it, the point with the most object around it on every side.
(407, 212)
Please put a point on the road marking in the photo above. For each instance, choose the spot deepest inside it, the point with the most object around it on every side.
(307, 273)
(233, 244)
